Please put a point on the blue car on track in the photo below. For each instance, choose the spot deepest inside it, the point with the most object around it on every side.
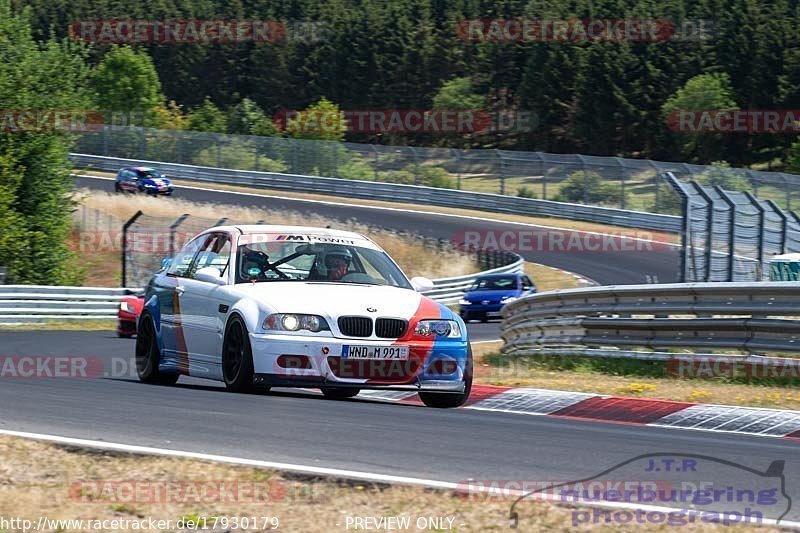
(484, 299)
(142, 179)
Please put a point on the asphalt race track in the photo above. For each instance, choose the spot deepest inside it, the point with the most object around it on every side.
(608, 267)
(395, 439)
(445, 445)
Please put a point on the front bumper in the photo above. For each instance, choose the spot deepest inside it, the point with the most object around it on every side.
(311, 361)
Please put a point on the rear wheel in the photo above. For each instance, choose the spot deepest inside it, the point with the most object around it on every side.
(117, 188)
(336, 393)
(443, 400)
(237, 358)
(148, 355)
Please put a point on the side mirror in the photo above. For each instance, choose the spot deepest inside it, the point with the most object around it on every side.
(165, 263)
(210, 274)
(421, 284)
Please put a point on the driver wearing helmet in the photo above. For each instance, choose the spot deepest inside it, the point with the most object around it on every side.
(337, 263)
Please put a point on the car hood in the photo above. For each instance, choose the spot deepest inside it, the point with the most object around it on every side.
(490, 295)
(335, 299)
(155, 181)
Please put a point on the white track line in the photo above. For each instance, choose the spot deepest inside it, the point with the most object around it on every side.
(350, 474)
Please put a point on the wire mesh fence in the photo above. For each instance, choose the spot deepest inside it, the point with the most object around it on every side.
(731, 235)
(634, 184)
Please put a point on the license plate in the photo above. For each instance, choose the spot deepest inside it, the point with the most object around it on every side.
(493, 313)
(375, 352)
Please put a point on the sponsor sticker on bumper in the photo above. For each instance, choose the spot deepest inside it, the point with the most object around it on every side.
(375, 352)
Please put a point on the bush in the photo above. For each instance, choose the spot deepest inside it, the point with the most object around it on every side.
(237, 155)
(589, 188)
(355, 169)
(526, 192)
(428, 176)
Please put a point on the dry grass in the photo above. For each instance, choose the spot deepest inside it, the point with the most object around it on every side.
(39, 479)
(415, 259)
(524, 219)
(549, 279)
(100, 324)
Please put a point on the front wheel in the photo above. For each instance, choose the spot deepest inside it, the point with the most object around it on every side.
(148, 355)
(237, 358)
(444, 400)
(335, 393)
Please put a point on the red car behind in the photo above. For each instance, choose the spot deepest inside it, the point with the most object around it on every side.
(130, 307)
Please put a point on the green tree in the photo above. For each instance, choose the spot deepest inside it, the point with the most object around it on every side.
(208, 117)
(458, 94)
(706, 92)
(244, 116)
(126, 81)
(35, 181)
(322, 121)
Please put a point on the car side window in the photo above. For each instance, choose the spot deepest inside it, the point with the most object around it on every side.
(216, 252)
(526, 283)
(182, 262)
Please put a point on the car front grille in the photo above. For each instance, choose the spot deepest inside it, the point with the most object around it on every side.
(390, 328)
(355, 326)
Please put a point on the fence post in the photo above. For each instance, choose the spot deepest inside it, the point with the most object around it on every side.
(416, 164)
(172, 229)
(501, 163)
(375, 168)
(621, 182)
(709, 228)
(731, 232)
(585, 168)
(125, 245)
(458, 168)
(685, 225)
(761, 229)
(142, 144)
(106, 139)
(784, 223)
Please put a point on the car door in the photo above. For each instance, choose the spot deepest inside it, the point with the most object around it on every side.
(204, 308)
(170, 289)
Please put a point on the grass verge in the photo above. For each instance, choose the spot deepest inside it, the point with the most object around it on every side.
(66, 482)
(99, 324)
(619, 377)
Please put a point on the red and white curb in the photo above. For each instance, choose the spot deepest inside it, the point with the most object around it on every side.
(603, 408)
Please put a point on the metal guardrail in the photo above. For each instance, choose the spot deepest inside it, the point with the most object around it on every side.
(752, 318)
(394, 192)
(25, 304)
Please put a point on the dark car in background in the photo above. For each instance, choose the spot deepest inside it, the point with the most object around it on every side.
(484, 299)
(143, 179)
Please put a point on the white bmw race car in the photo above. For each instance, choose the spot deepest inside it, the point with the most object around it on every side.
(265, 306)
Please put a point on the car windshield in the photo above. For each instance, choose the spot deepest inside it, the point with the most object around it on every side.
(495, 284)
(262, 258)
(149, 174)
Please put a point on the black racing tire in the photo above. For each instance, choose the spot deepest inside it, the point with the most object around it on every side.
(148, 355)
(339, 393)
(117, 188)
(446, 400)
(237, 357)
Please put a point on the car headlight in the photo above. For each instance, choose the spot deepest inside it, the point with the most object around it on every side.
(464, 302)
(123, 306)
(295, 322)
(149, 185)
(439, 328)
